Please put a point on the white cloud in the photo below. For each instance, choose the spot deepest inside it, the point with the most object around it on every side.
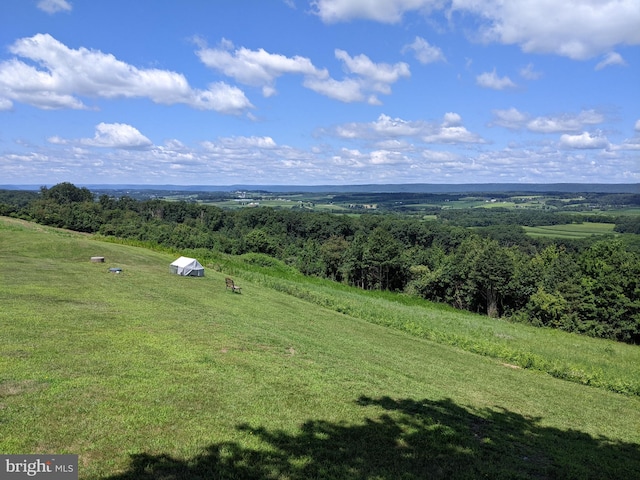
(5, 104)
(437, 156)
(66, 74)
(631, 143)
(380, 75)
(449, 131)
(529, 73)
(493, 81)
(565, 123)
(453, 134)
(347, 91)
(386, 157)
(511, 118)
(451, 119)
(386, 126)
(54, 6)
(370, 79)
(578, 29)
(383, 128)
(385, 11)
(584, 141)
(611, 58)
(256, 67)
(109, 135)
(243, 142)
(262, 160)
(261, 69)
(56, 140)
(424, 52)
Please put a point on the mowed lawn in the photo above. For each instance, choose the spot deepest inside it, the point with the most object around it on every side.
(572, 230)
(148, 375)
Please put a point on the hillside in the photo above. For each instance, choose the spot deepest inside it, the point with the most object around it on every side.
(147, 375)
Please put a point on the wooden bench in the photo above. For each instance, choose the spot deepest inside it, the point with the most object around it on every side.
(234, 288)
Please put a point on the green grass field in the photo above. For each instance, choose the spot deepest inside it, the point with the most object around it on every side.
(572, 230)
(146, 375)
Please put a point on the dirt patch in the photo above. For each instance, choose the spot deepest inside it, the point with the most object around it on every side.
(18, 387)
(510, 365)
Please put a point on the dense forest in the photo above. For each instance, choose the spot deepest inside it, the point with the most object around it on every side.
(478, 260)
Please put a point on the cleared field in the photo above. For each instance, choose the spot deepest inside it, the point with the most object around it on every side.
(572, 230)
(146, 375)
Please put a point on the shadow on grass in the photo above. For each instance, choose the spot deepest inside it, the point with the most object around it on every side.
(408, 439)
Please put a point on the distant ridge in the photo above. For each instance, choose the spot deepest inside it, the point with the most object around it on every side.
(373, 188)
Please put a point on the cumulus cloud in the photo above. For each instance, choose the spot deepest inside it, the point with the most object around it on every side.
(54, 6)
(385, 11)
(580, 29)
(636, 127)
(256, 67)
(229, 160)
(261, 69)
(565, 122)
(493, 81)
(424, 52)
(584, 141)
(366, 81)
(610, 59)
(629, 144)
(377, 73)
(386, 157)
(241, 143)
(110, 135)
(384, 127)
(347, 91)
(512, 118)
(450, 130)
(65, 74)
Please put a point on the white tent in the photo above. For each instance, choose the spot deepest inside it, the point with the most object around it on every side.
(187, 266)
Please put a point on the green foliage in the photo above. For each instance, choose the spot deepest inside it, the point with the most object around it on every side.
(547, 309)
(628, 224)
(585, 286)
(64, 193)
(258, 240)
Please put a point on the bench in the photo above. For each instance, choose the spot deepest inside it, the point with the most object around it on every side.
(234, 288)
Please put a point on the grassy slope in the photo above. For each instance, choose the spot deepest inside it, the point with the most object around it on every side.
(596, 362)
(148, 375)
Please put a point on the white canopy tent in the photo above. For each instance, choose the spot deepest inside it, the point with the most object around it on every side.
(187, 266)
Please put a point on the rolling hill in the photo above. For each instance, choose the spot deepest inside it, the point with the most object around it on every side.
(147, 375)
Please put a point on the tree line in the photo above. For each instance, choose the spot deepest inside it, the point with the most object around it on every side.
(590, 287)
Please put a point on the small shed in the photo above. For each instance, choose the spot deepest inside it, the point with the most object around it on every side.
(187, 267)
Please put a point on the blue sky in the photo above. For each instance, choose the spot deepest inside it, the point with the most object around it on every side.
(300, 92)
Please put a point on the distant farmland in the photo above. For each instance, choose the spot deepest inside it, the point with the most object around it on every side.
(572, 230)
